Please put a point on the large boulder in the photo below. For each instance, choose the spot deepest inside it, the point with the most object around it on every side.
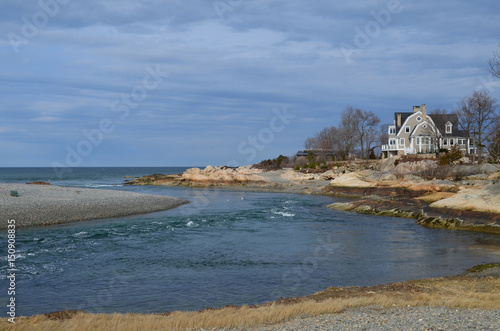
(415, 167)
(328, 175)
(389, 163)
(486, 199)
(355, 179)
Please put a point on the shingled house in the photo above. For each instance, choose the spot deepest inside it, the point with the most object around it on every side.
(420, 133)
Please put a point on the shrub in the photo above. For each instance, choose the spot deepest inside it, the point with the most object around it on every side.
(274, 164)
(311, 157)
(14, 194)
(451, 156)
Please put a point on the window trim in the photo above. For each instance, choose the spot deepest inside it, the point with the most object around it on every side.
(407, 129)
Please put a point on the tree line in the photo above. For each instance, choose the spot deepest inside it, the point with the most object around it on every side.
(360, 133)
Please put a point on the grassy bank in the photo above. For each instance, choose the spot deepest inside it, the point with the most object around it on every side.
(478, 288)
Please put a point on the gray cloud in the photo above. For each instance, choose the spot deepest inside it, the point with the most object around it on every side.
(227, 71)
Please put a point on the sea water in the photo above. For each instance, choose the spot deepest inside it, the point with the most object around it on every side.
(225, 247)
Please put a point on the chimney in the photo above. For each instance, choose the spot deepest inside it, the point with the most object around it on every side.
(424, 111)
(399, 120)
(416, 108)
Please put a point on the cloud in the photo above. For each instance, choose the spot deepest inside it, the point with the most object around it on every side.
(46, 119)
(227, 71)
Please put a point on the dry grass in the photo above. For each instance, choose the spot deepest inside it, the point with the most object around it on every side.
(464, 292)
(433, 197)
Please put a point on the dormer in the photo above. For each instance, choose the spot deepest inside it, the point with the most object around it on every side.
(448, 127)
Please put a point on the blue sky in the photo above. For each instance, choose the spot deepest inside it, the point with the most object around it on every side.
(197, 82)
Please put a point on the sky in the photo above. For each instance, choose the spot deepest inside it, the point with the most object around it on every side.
(223, 82)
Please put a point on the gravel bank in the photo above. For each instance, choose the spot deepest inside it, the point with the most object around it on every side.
(47, 205)
(409, 318)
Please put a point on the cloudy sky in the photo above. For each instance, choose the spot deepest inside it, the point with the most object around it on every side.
(196, 82)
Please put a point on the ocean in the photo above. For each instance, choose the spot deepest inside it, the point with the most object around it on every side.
(227, 247)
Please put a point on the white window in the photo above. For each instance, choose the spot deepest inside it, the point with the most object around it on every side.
(445, 142)
(402, 141)
(419, 118)
(392, 130)
(452, 141)
(418, 141)
(407, 129)
(448, 128)
(424, 126)
(392, 141)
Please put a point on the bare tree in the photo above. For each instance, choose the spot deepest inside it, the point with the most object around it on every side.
(494, 140)
(465, 112)
(494, 63)
(477, 113)
(325, 139)
(348, 133)
(367, 129)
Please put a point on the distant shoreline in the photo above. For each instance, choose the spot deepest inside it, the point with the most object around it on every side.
(472, 204)
(41, 205)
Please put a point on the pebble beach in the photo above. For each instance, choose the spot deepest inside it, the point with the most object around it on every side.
(39, 205)
(397, 318)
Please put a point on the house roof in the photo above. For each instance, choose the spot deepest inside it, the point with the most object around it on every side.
(441, 121)
(404, 116)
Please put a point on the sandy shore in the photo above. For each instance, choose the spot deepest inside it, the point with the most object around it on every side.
(48, 205)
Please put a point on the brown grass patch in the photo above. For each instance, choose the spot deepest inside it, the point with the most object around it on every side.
(433, 197)
(459, 291)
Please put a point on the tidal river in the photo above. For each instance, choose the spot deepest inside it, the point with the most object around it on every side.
(225, 247)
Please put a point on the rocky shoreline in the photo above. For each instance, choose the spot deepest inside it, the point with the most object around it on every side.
(467, 197)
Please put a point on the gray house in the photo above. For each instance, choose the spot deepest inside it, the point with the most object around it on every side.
(420, 133)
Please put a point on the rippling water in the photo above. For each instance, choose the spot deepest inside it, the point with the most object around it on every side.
(225, 247)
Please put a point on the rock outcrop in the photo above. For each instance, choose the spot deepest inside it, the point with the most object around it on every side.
(210, 176)
(486, 199)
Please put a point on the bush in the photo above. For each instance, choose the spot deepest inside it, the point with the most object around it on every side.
(274, 164)
(14, 194)
(280, 160)
(451, 156)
